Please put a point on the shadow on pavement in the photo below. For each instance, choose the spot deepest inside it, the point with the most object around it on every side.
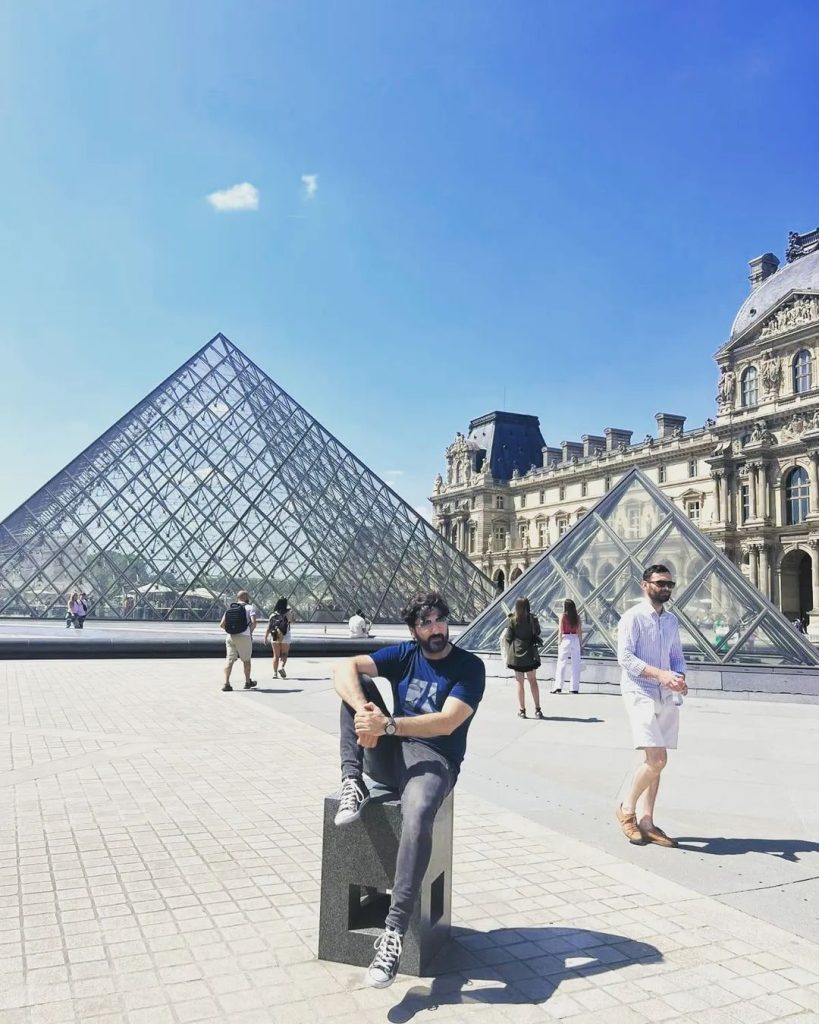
(566, 718)
(261, 689)
(724, 846)
(520, 966)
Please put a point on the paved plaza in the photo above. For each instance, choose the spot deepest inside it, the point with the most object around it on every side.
(160, 848)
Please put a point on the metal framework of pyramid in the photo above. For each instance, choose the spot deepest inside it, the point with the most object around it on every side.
(219, 481)
(599, 563)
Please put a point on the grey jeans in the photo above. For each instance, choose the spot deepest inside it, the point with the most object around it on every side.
(422, 777)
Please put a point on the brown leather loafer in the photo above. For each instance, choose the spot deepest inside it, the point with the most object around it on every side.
(654, 834)
(631, 830)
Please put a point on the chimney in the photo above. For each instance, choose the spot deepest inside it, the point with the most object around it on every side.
(761, 269)
(551, 456)
(592, 442)
(571, 449)
(615, 437)
(667, 424)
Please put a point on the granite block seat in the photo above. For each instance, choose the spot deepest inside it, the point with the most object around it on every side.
(357, 871)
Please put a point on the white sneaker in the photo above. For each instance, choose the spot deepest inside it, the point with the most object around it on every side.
(354, 796)
(382, 971)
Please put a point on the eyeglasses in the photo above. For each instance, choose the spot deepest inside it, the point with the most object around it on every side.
(665, 584)
(429, 623)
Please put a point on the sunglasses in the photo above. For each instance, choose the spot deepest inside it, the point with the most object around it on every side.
(665, 584)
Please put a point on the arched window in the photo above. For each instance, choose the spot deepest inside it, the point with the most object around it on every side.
(802, 372)
(797, 496)
(748, 386)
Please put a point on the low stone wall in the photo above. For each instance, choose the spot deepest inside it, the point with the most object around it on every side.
(603, 676)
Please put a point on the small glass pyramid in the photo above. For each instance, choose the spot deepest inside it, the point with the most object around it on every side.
(219, 481)
(599, 563)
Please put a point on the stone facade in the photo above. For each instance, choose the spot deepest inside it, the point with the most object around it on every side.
(749, 477)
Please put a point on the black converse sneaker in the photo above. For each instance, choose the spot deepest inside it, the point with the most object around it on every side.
(354, 795)
(383, 969)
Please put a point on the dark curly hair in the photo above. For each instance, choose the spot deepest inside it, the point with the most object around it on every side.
(423, 602)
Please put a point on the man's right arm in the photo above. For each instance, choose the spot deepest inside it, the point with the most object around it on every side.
(347, 683)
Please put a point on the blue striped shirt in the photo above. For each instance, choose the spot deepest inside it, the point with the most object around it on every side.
(646, 637)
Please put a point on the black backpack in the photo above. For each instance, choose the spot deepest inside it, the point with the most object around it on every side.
(278, 621)
(236, 619)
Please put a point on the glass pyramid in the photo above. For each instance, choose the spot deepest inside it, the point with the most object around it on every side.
(599, 563)
(219, 481)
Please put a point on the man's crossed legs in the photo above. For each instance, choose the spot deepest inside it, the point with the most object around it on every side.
(423, 778)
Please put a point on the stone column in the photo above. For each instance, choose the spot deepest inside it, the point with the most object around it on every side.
(764, 571)
(726, 499)
(754, 564)
(717, 478)
(814, 574)
(813, 478)
(753, 476)
(765, 496)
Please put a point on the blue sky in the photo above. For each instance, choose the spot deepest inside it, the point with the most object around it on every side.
(542, 207)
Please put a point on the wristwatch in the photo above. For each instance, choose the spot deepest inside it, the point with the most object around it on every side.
(390, 728)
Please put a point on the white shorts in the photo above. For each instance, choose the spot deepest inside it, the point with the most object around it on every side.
(654, 722)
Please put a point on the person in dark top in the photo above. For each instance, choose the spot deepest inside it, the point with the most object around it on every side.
(523, 657)
(417, 750)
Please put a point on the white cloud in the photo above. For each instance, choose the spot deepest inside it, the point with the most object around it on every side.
(425, 512)
(393, 472)
(310, 182)
(237, 197)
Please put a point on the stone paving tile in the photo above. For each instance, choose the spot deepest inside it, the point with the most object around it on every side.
(158, 864)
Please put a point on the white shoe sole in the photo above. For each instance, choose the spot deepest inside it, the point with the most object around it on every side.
(349, 817)
(373, 983)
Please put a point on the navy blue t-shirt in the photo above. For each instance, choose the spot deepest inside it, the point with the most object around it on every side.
(420, 686)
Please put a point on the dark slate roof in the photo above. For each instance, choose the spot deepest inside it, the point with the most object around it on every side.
(800, 276)
(511, 440)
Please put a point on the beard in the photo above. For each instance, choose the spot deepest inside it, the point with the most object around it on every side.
(435, 643)
(663, 596)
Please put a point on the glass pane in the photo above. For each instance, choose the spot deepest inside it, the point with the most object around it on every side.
(719, 612)
(767, 646)
(635, 514)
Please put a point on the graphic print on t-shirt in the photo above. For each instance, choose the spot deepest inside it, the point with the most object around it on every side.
(421, 696)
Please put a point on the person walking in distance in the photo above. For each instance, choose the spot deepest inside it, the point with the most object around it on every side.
(522, 637)
(238, 622)
(570, 645)
(278, 635)
(417, 750)
(652, 683)
(70, 609)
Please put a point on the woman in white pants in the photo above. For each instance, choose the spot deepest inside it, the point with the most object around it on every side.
(569, 646)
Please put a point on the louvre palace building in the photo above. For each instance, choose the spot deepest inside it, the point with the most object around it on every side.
(748, 478)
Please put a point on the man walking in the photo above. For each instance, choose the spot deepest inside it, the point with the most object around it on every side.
(418, 750)
(652, 682)
(238, 622)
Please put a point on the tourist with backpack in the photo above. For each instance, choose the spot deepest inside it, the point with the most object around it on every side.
(238, 622)
(278, 634)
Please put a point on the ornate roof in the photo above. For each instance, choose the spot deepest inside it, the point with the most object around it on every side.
(802, 275)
